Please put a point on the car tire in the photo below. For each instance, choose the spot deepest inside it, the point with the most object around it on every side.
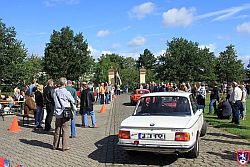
(194, 153)
(204, 129)
(131, 152)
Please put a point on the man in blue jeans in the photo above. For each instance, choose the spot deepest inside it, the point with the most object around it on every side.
(235, 99)
(86, 106)
(214, 96)
(73, 121)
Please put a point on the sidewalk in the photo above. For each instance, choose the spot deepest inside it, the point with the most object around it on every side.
(33, 148)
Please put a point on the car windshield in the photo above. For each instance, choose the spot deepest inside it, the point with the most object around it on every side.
(163, 105)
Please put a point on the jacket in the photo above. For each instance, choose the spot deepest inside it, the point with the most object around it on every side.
(87, 99)
(48, 95)
(62, 99)
(39, 98)
(29, 105)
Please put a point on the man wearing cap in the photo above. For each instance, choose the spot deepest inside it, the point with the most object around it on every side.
(73, 121)
(87, 101)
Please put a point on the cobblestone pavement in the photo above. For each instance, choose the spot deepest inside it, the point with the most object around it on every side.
(97, 146)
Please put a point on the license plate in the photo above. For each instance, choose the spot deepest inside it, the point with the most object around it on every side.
(156, 136)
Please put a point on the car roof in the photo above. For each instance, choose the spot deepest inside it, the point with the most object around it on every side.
(183, 94)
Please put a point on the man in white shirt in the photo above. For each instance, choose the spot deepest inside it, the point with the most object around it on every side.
(235, 99)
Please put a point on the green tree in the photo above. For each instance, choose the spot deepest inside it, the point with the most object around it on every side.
(184, 61)
(12, 55)
(228, 67)
(248, 69)
(129, 73)
(67, 55)
(105, 62)
(146, 60)
(33, 69)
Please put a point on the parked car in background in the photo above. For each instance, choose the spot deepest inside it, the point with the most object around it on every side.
(164, 122)
(137, 94)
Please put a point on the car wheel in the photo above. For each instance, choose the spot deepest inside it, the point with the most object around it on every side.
(131, 152)
(203, 129)
(194, 153)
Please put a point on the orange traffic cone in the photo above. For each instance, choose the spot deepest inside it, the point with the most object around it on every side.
(103, 109)
(14, 126)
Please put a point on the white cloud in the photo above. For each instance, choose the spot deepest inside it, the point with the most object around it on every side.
(245, 59)
(103, 33)
(137, 41)
(142, 10)
(225, 13)
(178, 17)
(244, 28)
(106, 52)
(94, 52)
(211, 47)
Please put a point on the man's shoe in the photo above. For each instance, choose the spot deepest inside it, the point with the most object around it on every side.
(72, 137)
(86, 126)
(65, 149)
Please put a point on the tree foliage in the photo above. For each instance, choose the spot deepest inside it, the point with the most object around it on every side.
(33, 69)
(146, 60)
(228, 67)
(67, 55)
(125, 66)
(184, 61)
(12, 55)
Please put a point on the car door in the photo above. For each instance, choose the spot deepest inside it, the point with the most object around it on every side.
(197, 113)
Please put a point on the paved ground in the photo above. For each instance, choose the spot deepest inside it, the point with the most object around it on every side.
(97, 146)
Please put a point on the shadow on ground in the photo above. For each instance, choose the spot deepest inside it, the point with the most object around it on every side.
(128, 104)
(228, 141)
(36, 143)
(110, 153)
(225, 135)
(229, 155)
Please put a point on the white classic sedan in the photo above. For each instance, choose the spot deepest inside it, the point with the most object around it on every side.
(164, 122)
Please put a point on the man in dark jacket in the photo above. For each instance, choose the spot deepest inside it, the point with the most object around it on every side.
(214, 96)
(49, 102)
(86, 106)
(224, 110)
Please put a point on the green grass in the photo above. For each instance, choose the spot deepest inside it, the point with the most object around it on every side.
(243, 130)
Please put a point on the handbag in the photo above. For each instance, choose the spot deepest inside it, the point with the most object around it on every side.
(67, 111)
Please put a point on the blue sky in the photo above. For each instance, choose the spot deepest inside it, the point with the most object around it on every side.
(128, 27)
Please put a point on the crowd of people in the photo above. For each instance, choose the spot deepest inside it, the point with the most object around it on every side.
(231, 97)
(54, 98)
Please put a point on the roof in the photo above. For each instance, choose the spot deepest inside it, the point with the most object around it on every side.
(184, 94)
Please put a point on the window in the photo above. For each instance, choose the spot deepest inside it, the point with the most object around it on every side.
(163, 105)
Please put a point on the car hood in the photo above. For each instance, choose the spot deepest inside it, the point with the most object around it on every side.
(158, 121)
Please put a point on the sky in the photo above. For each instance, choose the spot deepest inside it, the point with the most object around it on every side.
(128, 27)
